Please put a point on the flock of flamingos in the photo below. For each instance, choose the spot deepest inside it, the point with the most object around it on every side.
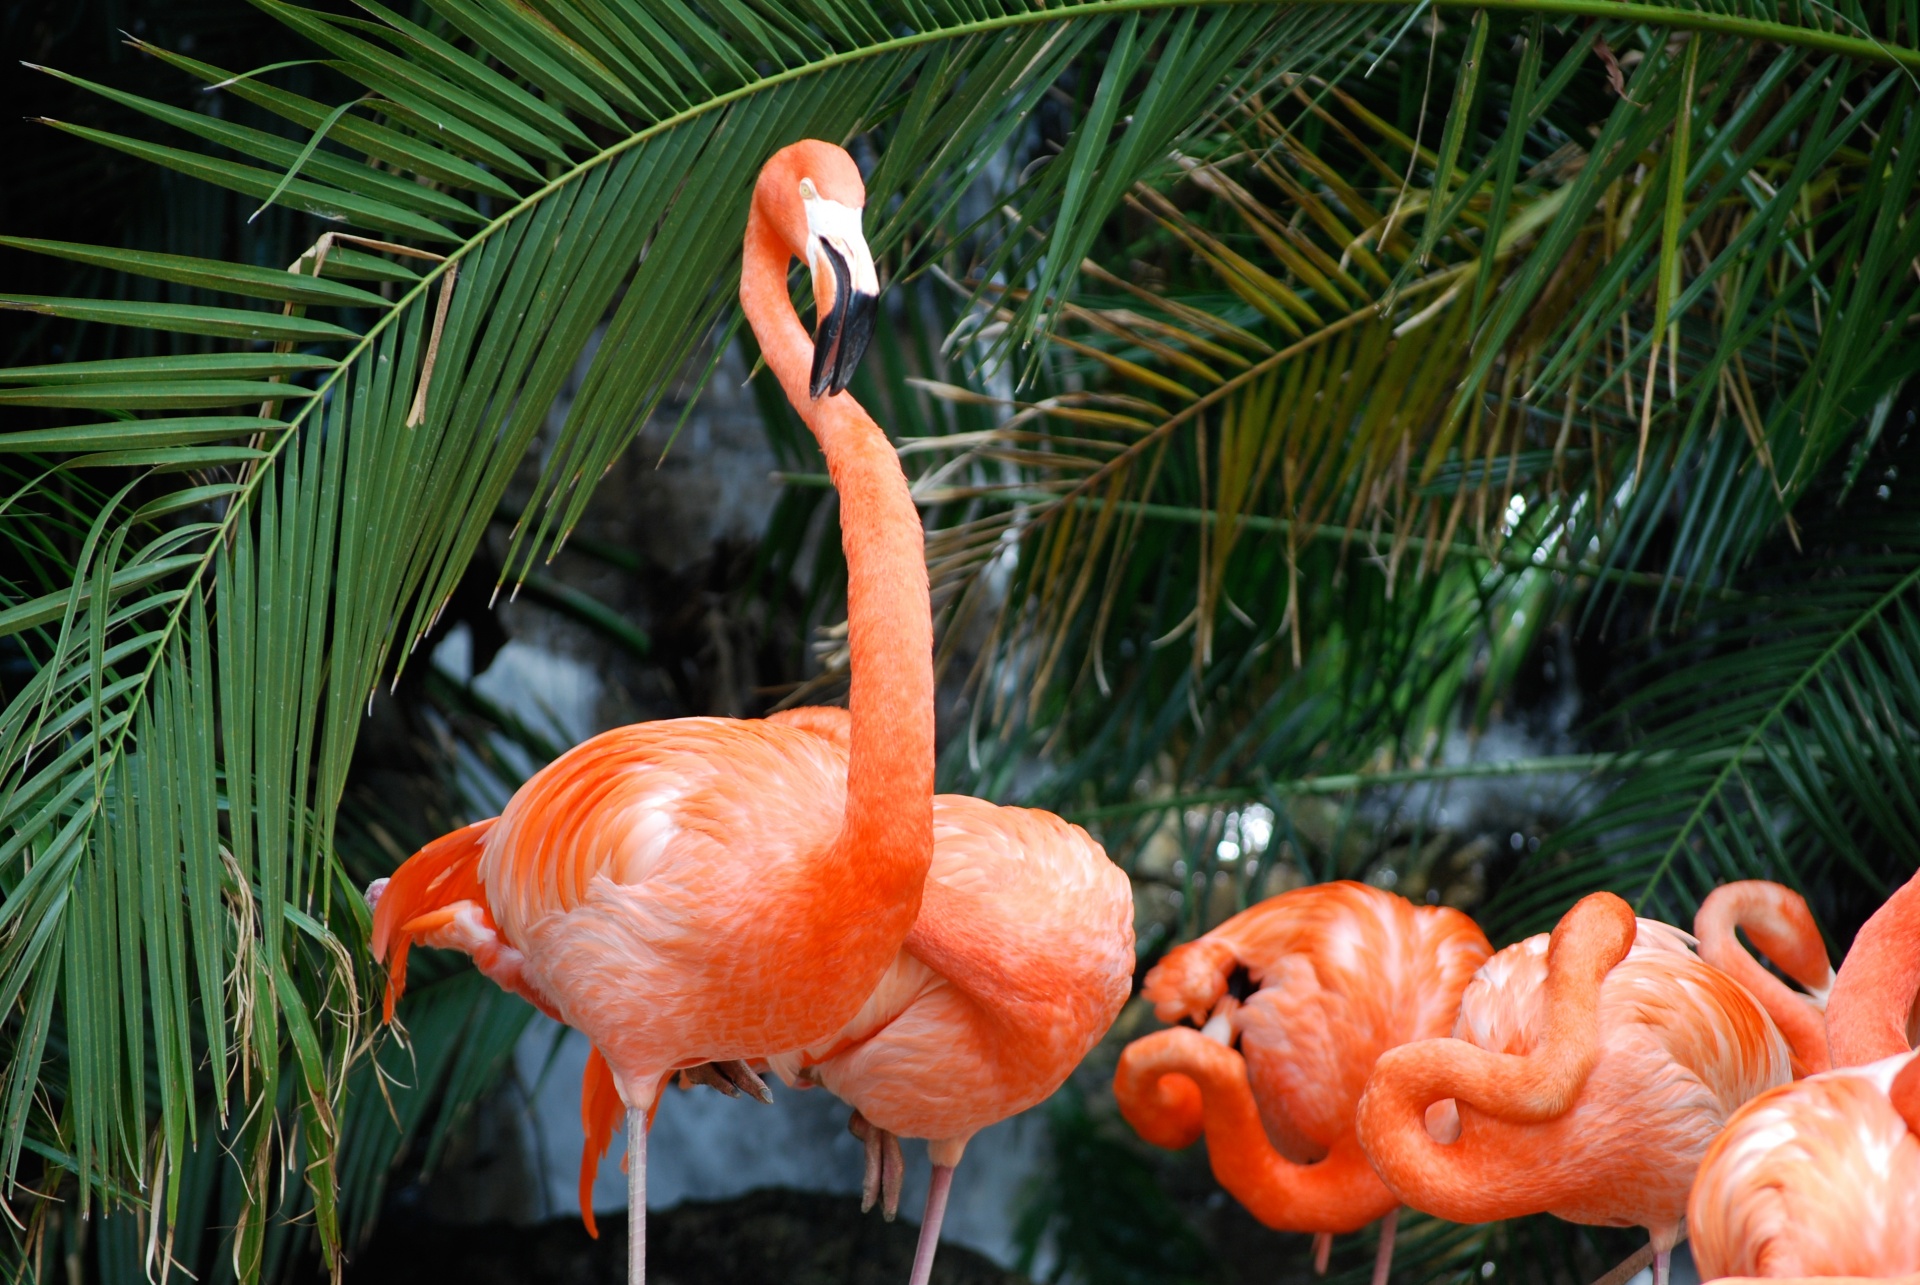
(717, 898)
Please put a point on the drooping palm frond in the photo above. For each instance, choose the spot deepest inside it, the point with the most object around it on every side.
(1378, 379)
(292, 492)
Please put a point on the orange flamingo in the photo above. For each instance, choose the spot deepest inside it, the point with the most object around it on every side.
(710, 890)
(1590, 1069)
(1777, 920)
(1344, 972)
(1017, 965)
(1820, 1180)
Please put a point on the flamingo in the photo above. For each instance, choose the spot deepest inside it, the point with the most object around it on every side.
(710, 890)
(1820, 1180)
(1778, 922)
(1817, 1180)
(1590, 1068)
(1343, 972)
(1019, 962)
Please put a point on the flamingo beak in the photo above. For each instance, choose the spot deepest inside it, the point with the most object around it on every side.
(845, 291)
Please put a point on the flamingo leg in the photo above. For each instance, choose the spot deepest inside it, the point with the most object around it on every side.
(636, 1197)
(1383, 1260)
(1322, 1248)
(930, 1224)
(1662, 1260)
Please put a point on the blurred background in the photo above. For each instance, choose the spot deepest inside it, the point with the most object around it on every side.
(1318, 631)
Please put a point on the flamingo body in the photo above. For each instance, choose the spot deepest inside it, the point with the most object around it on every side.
(1820, 1178)
(1343, 972)
(1591, 1095)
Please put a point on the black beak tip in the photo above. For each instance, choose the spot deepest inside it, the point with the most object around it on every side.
(856, 332)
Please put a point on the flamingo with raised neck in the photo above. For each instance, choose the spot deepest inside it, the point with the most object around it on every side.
(710, 890)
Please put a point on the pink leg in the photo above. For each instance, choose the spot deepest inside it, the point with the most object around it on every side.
(1662, 1260)
(636, 1197)
(1383, 1261)
(930, 1225)
(1322, 1248)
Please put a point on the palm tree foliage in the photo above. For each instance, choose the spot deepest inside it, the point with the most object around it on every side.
(1279, 511)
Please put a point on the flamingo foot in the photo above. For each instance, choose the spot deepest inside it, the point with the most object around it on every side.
(936, 1213)
(1383, 1260)
(731, 1078)
(886, 1167)
(1322, 1248)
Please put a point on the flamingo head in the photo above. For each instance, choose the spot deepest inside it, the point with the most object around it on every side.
(812, 193)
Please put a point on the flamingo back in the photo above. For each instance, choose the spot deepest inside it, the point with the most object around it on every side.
(659, 880)
(1816, 1178)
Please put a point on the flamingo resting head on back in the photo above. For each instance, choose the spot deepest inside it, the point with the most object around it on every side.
(1340, 972)
(710, 890)
(1589, 1071)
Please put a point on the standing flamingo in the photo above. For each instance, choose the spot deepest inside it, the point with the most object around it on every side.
(1017, 965)
(1343, 972)
(1820, 1180)
(1590, 1069)
(1778, 922)
(706, 889)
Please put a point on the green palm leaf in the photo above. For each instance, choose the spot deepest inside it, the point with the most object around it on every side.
(203, 638)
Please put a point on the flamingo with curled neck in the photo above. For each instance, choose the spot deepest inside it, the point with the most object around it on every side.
(1342, 972)
(1776, 920)
(1820, 1180)
(1589, 1071)
(710, 890)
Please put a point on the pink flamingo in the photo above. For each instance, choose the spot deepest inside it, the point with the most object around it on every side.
(709, 890)
(1344, 972)
(1017, 965)
(1589, 1071)
(1820, 1180)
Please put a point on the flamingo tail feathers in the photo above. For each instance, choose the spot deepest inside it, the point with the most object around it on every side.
(445, 871)
(600, 1113)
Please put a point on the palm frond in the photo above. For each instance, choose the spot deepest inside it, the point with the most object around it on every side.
(289, 498)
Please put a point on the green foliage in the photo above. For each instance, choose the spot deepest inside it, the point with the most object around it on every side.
(1363, 353)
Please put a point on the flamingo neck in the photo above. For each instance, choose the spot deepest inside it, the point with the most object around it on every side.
(1158, 1080)
(1780, 925)
(886, 840)
(1870, 1013)
(1469, 1181)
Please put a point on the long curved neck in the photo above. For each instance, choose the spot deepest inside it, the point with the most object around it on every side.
(889, 816)
(1465, 1181)
(1156, 1085)
(1779, 923)
(1870, 1012)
